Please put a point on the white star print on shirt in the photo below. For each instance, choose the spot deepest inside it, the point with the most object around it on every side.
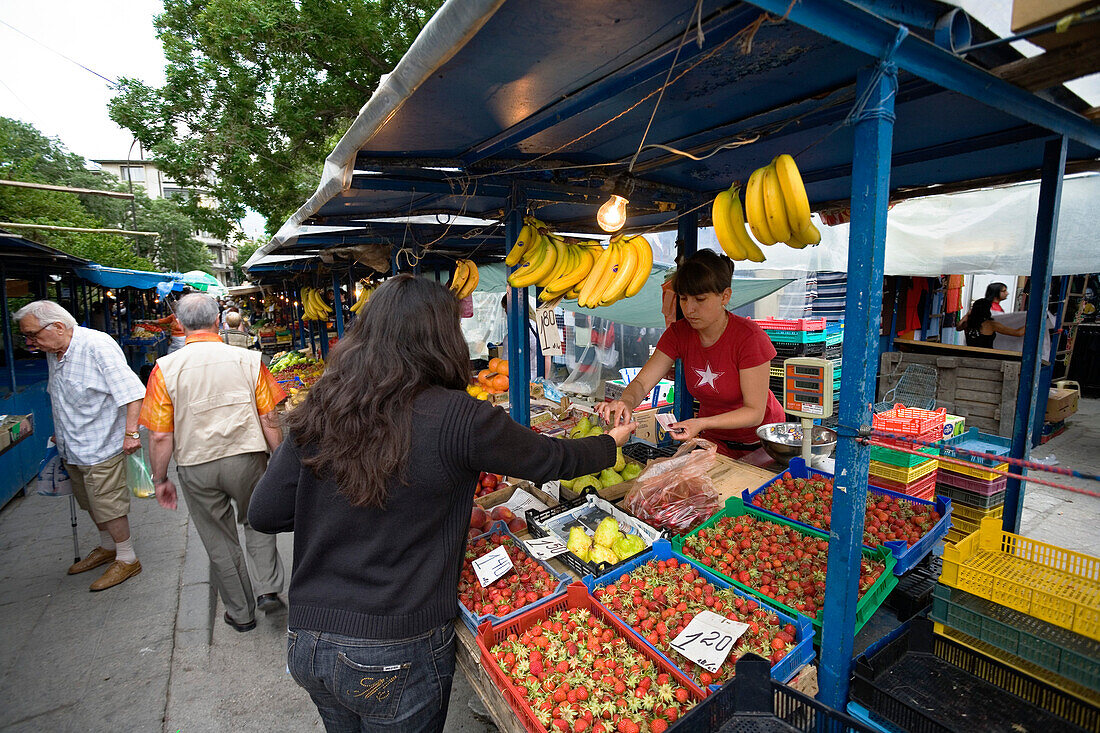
(707, 377)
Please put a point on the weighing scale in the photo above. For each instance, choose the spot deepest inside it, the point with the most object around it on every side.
(808, 394)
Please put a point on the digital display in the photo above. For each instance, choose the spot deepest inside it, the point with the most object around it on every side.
(803, 384)
(804, 397)
(808, 370)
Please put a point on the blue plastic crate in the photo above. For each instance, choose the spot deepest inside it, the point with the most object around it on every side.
(473, 620)
(803, 651)
(974, 440)
(833, 334)
(871, 720)
(907, 557)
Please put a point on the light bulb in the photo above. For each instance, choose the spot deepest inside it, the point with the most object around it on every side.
(612, 214)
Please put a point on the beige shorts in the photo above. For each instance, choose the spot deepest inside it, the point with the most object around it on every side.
(101, 489)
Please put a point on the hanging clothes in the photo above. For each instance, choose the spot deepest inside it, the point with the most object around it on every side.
(915, 294)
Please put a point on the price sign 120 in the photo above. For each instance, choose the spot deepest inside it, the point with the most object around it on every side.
(708, 639)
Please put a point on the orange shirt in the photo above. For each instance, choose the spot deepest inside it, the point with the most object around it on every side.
(157, 413)
(177, 329)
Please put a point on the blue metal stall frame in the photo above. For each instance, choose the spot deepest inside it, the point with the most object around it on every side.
(901, 75)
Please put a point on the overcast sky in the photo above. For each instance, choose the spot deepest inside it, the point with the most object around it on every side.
(116, 38)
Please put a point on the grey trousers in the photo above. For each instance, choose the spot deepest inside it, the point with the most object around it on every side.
(208, 488)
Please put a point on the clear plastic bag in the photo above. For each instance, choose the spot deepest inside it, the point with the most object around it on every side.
(53, 479)
(676, 493)
(138, 476)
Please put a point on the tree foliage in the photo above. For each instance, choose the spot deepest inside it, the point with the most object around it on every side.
(244, 250)
(258, 91)
(28, 155)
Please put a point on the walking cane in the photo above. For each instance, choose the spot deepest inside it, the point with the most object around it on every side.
(72, 516)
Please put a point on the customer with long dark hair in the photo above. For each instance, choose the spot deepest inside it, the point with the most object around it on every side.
(376, 480)
(979, 325)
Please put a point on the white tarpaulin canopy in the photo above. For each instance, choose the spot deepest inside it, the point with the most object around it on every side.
(985, 232)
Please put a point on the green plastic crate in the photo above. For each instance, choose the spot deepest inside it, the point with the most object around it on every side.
(866, 606)
(904, 460)
(1053, 648)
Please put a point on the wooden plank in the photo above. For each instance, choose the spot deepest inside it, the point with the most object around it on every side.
(969, 395)
(980, 385)
(993, 373)
(936, 347)
(468, 658)
(1011, 382)
(1054, 67)
(733, 477)
(947, 375)
(978, 409)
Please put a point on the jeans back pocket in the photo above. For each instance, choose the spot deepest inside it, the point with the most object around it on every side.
(372, 691)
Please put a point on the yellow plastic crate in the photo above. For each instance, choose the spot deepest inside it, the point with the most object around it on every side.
(975, 516)
(902, 474)
(1030, 668)
(1051, 583)
(973, 470)
(954, 535)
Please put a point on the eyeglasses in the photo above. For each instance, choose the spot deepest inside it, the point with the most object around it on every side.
(34, 336)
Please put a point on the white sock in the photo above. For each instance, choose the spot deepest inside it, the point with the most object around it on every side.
(125, 551)
(105, 540)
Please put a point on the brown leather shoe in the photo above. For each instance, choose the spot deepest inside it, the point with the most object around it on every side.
(117, 572)
(95, 558)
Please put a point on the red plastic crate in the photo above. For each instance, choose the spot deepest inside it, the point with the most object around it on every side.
(922, 488)
(912, 421)
(984, 487)
(791, 324)
(930, 436)
(576, 596)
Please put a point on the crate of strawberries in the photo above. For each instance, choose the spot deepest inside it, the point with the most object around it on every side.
(781, 562)
(907, 526)
(568, 665)
(528, 581)
(658, 593)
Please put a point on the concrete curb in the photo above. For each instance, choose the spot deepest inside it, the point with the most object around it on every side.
(198, 597)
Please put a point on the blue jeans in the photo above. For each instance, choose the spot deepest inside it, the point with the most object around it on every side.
(388, 685)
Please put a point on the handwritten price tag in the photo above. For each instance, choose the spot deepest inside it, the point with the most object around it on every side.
(543, 548)
(491, 566)
(549, 335)
(708, 639)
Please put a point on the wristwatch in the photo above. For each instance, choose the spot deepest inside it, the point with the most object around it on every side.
(158, 482)
(135, 435)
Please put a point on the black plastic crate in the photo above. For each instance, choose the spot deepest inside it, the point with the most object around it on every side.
(789, 350)
(753, 701)
(926, 683)
(913, 594)
(834, 351)
(644, 453)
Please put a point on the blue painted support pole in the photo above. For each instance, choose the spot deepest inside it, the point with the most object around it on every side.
(687, 235)
(874, 128)
(299, 315)
(519, 344)
(1042, 262)
(337, 306)
(9, 347)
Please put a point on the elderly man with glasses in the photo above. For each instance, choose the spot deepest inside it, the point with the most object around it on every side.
(96, 402)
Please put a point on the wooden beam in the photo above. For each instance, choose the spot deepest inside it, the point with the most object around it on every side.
(15, 225)
(1053, 67)
(1092, 113)
(66, 189)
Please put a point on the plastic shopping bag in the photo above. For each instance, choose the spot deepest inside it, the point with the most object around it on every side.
(138, 477)
(53, 479)
(676, 493)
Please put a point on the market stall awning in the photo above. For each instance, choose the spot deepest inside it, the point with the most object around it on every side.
(20, 254)
(470, 115)
(115, 277)
(204, 282)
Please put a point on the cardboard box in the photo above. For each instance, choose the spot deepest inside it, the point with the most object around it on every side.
(1061, 403)
(1027, 14)
(657, 397)
(648, 428)
(17, 426)
(953, 425)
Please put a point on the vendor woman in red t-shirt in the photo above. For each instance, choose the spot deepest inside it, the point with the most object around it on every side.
(726, 361)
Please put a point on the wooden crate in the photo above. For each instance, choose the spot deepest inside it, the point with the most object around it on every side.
(981, 390)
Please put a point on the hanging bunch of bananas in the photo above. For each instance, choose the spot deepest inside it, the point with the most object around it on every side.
(776, 209)
(586, 271)
(364, 296)
(465, 279)
(314, 306)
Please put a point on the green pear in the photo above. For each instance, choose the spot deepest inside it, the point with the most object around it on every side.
(596, 430)
(586, 482)
(567, 483)
(620, 461)
(581, 428)
(609, 478)
(631, 471)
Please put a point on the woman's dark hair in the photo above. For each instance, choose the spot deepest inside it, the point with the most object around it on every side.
(706, 271)
(980, 312)
(993, 291)
(357, 419)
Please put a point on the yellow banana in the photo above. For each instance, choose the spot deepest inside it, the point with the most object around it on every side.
(754, 208)
(573, 294)
(565, 259)
(577, 273)
(720, 218)
(532, 258)
(645, 264)
(473, 277)
(325, 307)
(527, 236)
(613, 264)
(458, 281)
(601, 265)
(737, 227)
(623, 277)
(535, 274)
(774, 207)
(794, 193)
(804, 237)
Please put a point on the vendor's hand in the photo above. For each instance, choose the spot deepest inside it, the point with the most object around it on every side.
(166, 494)
(686, 429)
(621, 433)
(614, 412)
(129, 445)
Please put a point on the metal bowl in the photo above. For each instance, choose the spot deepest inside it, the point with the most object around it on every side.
(783, 440)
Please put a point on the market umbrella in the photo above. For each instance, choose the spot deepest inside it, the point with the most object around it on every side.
(205, 282)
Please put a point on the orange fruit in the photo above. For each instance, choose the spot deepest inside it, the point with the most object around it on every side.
(483, 376)
(502, 367)
(493, 364)
(500, 382)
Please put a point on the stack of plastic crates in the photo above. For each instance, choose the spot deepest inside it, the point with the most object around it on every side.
(977, 492)
(897, 470)
(1029, 604)
(803, 337)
